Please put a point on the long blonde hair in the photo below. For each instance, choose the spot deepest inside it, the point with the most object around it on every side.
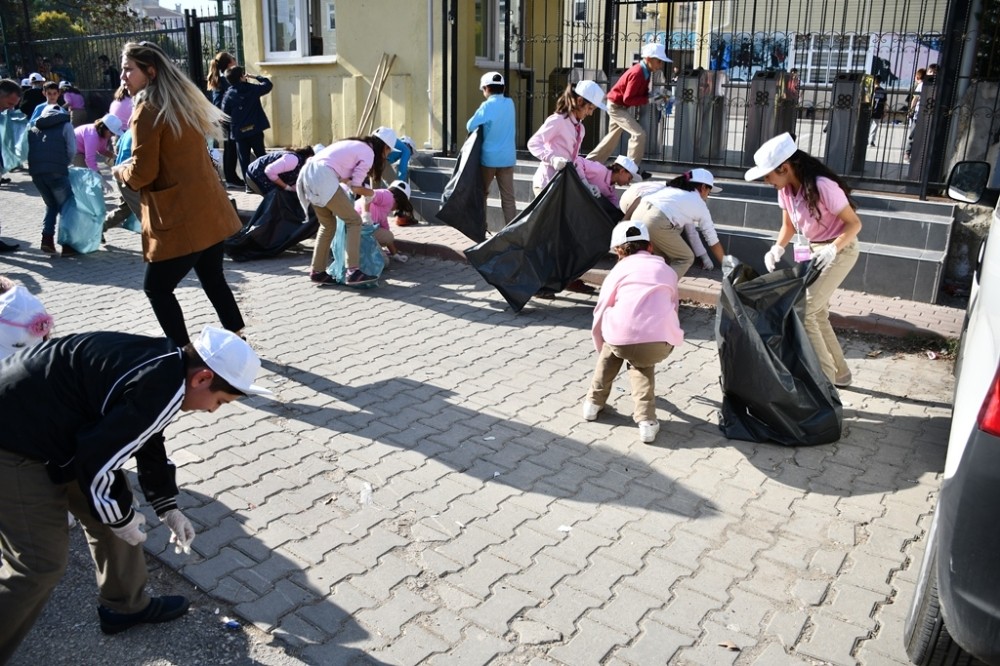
(169, 91)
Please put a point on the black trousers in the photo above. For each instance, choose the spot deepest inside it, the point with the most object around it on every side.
(249, 149)
(162, 277)
(229, 162)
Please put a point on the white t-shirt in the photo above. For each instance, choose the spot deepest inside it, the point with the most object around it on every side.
(683, 207)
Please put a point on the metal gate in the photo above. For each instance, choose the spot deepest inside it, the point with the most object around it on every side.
(759, 67)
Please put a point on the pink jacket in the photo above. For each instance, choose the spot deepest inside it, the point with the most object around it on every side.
(90, 144)
(599, 176)
(351, 160)
(638, 303)
(382, 204)
(559, 136)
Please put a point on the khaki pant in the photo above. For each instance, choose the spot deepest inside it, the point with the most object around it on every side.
(666, 238)
(338, 206)
(620, 119)
(642, 359)
(34, 545)
(505, 183)
(817, 322)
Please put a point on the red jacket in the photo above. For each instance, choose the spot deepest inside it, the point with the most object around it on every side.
(632, 88)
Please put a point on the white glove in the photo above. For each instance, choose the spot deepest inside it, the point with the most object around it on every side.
(706, 262)
(366, 220)
(182, 531)
(132, 533)
(559, 163)
(773, 256)
(825, 257)
(593, 190)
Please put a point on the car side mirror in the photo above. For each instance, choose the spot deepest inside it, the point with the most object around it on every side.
(967, 181)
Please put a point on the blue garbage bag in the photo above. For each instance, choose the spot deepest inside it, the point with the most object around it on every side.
(81, 220)
(372, 260)
(13, 139)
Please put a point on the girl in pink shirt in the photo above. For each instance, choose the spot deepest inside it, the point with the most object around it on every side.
(391, 202)
(557, 141)
(817, 216)
(635, 320)
(350, 163)
(95, 139)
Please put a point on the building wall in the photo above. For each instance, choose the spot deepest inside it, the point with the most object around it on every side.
(321, 99)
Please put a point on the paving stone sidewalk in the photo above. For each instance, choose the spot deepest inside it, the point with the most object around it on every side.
(424, 491)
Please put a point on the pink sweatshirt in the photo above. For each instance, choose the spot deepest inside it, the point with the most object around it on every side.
(122, 108)
(90, 144)
(638, 303)
(74, 100)
(832, 200)
(599, 176)
(559, 136)
(382, 204)
(351, 160)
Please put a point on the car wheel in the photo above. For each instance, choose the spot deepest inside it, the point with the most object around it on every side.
(928, 642)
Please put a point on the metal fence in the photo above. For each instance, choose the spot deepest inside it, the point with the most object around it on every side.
(755, 69)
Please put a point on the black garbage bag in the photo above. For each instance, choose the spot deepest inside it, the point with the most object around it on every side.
(277, 225)
(463, 205)
(773, 388)
(553, 241)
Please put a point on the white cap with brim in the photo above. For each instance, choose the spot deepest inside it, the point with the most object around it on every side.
(628, 231)
(771, 155)
(592, 92)
(229, 356)
(23, 321)
(654, 50)
(35, 77)
(113, 123)
(402, 186)
(491, 79)
(627, 163)
(387, 135)
(704, 177)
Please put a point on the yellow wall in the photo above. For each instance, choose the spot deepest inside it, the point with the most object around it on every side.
(320, 100)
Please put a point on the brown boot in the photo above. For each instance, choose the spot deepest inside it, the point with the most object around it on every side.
(48, 243)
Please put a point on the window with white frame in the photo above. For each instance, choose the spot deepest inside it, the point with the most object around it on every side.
(295, 29)
(579, 10)
(819, 58)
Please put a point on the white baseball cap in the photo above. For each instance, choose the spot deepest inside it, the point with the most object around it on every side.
(627, 163)
(113, 123)
(402, 186)
(627, 231)
(704, 177)
(771, 155)
(409, 142)
(592, 92)
(387, 135)
(318, 147)
(229, 356)
(26, 83)
(23, 320)
(655, 50)
(491, 79)
(35, 77)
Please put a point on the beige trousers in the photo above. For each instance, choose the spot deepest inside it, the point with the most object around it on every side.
(620, 119)
(338, 206)
(642, 359)
(666, 238)
(817, 323)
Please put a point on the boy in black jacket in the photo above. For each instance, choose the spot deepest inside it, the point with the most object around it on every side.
(75, 409)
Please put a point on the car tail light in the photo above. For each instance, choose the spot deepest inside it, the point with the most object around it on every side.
(989, 413)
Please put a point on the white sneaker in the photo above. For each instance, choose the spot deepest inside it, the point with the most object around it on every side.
(400, 257)
(843, 381)
(648, 430)
(590, 410)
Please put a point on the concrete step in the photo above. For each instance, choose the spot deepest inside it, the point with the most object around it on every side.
(904, 241)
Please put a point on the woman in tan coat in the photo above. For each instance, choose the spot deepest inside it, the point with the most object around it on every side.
(186, 214)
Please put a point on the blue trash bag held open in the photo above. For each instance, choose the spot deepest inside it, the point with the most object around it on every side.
(372, 260)
(13, 140)
(81, 220)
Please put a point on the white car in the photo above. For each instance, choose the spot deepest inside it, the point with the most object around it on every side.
(955, 611)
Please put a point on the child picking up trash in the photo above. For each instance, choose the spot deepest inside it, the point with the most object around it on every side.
(392, 202)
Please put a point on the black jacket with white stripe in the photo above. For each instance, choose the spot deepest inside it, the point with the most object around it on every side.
(84, 404)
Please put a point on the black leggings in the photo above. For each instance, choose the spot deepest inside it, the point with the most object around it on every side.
(162, 277)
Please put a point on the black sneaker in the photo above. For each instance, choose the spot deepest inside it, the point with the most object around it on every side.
(8, 247)
(68, 251)
(357, 278)
(160, 609)
(321, 277)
